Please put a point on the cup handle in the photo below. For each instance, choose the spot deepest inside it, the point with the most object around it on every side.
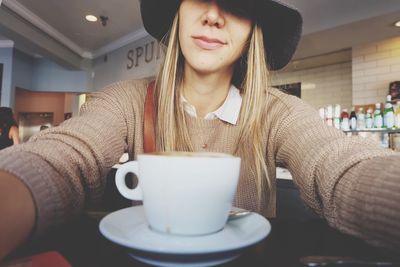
(122, 171)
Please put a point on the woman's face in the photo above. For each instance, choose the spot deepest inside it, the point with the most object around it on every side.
(211, 38)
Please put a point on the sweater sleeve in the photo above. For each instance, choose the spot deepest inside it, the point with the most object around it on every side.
(350, 181)
(65, 167)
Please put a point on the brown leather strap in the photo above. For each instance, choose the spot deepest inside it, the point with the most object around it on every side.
(149, 140)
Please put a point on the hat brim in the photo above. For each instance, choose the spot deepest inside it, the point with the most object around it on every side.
(281, 25)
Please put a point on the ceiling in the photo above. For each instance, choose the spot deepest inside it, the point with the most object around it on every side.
(68, 18)
(329, 25)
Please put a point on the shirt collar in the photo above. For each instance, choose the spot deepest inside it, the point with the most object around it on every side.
(228, 111)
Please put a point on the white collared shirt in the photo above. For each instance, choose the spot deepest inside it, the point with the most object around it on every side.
(228, 111)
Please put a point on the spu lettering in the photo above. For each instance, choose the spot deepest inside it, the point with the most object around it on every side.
(143, 54)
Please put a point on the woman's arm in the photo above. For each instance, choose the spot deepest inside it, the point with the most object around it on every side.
(14, 135)
(17, 213)
(65, 167)
(350, 181)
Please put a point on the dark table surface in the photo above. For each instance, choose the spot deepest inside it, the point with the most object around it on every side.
(82, 245)
(296, 233)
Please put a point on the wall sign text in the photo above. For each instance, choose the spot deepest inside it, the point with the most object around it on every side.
(143, 54)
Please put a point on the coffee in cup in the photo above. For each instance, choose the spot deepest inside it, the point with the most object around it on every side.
(183, 193)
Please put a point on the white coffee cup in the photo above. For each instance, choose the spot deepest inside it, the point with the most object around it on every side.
(183, 193)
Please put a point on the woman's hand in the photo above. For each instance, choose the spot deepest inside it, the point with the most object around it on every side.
(17, 213)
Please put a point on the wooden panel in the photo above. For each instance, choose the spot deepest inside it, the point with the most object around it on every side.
(30, 101)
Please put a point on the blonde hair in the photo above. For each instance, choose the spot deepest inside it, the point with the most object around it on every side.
(253, 86)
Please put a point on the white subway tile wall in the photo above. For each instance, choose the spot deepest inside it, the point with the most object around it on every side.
(322, 86)
(374, 66)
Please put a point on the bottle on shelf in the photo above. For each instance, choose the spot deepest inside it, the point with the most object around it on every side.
(397, 115)
(344, 124)
(329, 115)
(336, 117)
(322, 113)
(378, 120)
(388, 113)
(368, 119)
(360, 119)
(353, 119)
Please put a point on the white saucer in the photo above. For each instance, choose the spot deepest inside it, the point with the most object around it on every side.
(128, 227)
(181, 261)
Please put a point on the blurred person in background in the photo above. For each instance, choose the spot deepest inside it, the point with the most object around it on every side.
(8, 128)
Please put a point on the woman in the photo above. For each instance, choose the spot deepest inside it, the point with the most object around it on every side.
(211, 94)
(9, 129)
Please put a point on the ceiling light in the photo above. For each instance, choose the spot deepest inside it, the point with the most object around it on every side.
(91, 18)
(397, 24)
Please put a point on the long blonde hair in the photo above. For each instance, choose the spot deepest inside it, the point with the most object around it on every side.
(253, 85)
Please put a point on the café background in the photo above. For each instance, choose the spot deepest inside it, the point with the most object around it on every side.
(45, 77)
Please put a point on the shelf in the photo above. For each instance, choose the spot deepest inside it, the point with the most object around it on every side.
(374, 130)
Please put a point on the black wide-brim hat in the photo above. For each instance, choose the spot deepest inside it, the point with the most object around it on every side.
(280, 23)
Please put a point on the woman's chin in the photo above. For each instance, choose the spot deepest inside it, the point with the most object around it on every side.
(211, 67)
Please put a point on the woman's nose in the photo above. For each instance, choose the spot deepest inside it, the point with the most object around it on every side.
(213, 16)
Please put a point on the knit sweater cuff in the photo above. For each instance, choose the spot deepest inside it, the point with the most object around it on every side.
(367, 199)
(39, 177)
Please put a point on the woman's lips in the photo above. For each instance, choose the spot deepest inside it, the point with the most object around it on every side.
(208, 43)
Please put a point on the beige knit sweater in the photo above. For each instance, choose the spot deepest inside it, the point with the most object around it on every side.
(350, 181)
